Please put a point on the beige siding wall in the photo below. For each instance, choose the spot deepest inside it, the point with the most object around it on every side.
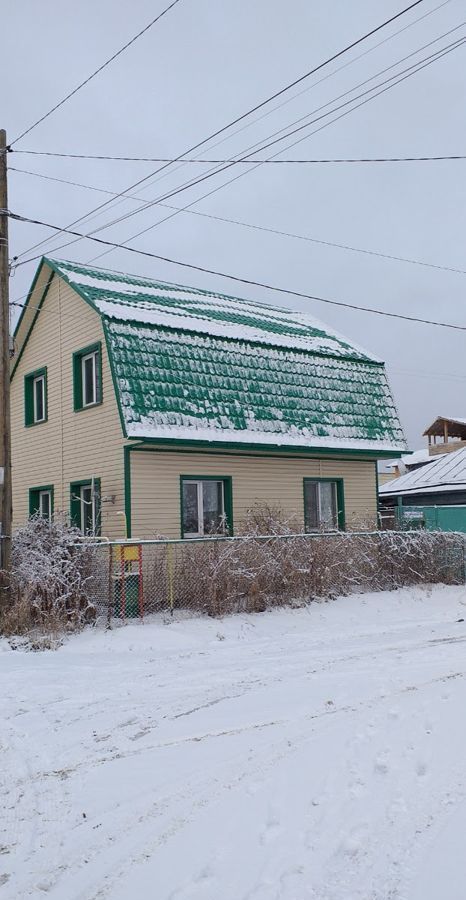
(155, 486)
(70, 446)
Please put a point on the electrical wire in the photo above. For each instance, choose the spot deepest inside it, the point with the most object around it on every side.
(249, 162)
(252, 110)
(241, 280)
(254, 226)
(242, 174)
(96, 72)
(409, 71)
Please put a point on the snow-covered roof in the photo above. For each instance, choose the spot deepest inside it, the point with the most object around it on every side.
(444, 473)
(197, 365)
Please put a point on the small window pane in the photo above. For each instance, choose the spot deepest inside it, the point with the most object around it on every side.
(45, 505)
(87, 517)
(89, 372)
(328, 504)
(39, 399)
(190, 508)
(212, 496)
(311, 505)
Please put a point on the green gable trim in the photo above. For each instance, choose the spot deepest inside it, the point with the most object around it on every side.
(29, 397)
(340, 500)
(75, 502)
(246, 449)
(227, 495)
(127, 487)
(77, 376)
(23, 313)
(34, 498)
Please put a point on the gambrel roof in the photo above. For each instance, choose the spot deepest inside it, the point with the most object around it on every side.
(195, 365)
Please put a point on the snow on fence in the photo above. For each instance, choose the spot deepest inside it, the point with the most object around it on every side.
(251, 573)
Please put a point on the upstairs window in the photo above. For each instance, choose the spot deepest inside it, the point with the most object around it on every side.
(85, 505)
(87, 377)
(205, 506)
(323, 504)
(41, 502)
(35, 397)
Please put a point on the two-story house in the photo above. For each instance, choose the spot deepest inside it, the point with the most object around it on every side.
(145, 408)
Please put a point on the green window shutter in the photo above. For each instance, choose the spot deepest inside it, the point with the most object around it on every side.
(34, 498)
(227, 482)
(28, 401)
(78, 399)
(29, 380)
(75, 502)
(311, 502)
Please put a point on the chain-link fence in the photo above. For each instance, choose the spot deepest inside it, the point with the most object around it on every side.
(245, 574)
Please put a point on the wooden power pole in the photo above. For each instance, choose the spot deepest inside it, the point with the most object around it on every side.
(5, 425)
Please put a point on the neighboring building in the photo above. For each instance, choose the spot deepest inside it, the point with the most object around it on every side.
(405, 464)
(173, 408)
(451, 433)
(436, 493)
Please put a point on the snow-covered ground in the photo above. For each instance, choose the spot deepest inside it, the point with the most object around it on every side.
(315, 754)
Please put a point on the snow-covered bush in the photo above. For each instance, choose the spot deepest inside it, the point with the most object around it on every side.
(271, 563)
(50, 577)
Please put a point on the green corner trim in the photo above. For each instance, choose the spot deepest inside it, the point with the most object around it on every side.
(34, 498)
(29, 397)
(227, 496)
(25, 307)
(377, 502)
(127, 486)
(340, 499)
(78, 355)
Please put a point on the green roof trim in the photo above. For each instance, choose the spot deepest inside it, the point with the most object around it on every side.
(193, 365)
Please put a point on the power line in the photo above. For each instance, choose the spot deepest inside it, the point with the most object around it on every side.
(252, 110)
(367, 99)
(239, 279)
(249, 162)
(96, 72)
(384, 86)
(255, 226)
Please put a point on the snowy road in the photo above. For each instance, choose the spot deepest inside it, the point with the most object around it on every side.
(314, 754)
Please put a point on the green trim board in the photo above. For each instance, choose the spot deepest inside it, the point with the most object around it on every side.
(340, 499)
(78, 356)
(29, 380)
(26, 308)
(176, 444)
(227, 497)
(34, 498)
(127, 487)
(75, 502)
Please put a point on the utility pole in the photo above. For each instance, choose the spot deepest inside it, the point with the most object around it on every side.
(5, 424)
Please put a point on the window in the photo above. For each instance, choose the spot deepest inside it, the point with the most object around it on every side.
(323, 504)
(41, 502)
(85, 505)
(35, 397)
(87, 377)
(206, 505)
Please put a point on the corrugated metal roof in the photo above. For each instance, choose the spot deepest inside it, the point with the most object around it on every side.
(445, 473)
(196, 365)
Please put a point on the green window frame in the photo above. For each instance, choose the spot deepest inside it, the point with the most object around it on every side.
(339, 494)
(35, 397)
(85, 361)
(85, 508)
(38, 500)
(227, 502)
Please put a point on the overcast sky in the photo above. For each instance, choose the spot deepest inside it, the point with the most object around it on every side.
(203, 64)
